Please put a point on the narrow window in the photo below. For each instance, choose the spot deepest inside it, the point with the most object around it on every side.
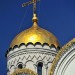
(39, 68)
(20, 66)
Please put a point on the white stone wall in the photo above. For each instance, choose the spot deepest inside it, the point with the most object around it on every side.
(66, 63)
(29, 56)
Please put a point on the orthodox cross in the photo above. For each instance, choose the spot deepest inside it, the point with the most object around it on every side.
(31, 2)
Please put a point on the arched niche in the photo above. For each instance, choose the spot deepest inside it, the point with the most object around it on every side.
(64, 62)
(30, 65)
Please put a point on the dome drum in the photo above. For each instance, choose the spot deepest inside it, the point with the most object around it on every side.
(31, 47)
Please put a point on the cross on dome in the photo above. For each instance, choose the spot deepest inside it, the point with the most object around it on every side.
(31, 2)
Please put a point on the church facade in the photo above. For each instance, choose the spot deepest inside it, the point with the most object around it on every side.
(36, 51)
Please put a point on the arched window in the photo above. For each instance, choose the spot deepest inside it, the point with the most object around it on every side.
(20, 66)
(39, 68)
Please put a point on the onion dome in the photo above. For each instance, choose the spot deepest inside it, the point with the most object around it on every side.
(35, 34)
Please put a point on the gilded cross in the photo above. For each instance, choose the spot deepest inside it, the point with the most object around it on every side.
(31, 2)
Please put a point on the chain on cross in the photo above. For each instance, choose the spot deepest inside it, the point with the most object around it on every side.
(31, 2)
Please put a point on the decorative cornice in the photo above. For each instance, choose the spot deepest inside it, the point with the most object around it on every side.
(31, 51)
(59, 54)
(44, 58)
(34, 45)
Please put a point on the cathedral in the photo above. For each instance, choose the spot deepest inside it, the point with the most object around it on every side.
(36, 51)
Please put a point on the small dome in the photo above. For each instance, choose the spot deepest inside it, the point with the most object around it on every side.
(35, 34)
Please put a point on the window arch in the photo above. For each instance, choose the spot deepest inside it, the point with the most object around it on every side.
(20, 66)
(39, 68)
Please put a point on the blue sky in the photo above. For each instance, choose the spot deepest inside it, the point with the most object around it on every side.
(56, 16)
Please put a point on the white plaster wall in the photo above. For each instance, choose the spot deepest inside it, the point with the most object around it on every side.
(70, 70)
(66, 64)
(30, 65)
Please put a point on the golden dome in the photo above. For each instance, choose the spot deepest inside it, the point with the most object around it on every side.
(35, 34)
